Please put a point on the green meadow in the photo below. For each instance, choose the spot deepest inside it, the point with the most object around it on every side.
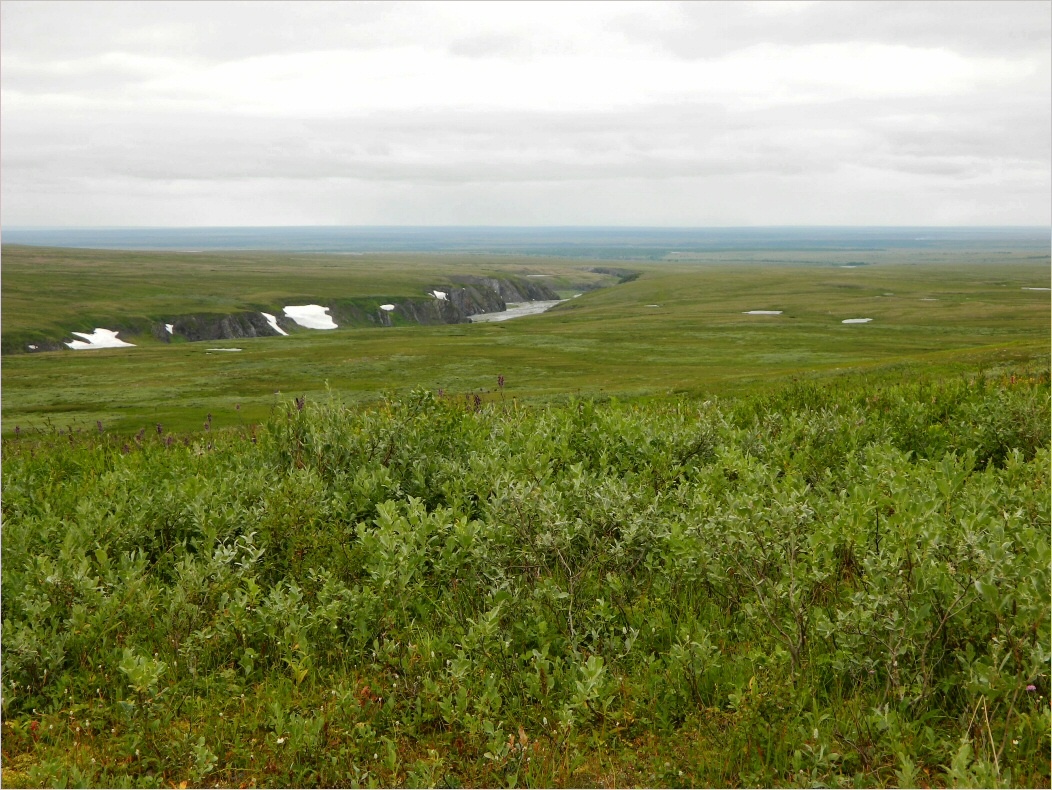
(678, 327)
(643, 539)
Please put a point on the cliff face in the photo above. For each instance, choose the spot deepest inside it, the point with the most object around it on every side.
(465, 296)
(217, 327)
(425, 311)
(472, 299)
(510, 289)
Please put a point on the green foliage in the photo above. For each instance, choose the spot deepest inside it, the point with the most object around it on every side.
(838, 585)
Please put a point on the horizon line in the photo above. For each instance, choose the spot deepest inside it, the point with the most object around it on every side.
(520, 227)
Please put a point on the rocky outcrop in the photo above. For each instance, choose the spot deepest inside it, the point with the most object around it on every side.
(424, 311)
(512, 289)
(472, 299)
(217, 327)
(34, 345)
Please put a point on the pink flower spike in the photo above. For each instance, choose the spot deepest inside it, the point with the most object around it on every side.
(1031, 687)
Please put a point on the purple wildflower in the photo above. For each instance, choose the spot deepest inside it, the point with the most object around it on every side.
(1031, 687)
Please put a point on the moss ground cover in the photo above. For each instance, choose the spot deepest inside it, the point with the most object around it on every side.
(842, 583)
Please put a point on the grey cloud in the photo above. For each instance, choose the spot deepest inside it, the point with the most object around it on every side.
(655, 142)
(704, 30)
(211, 31)
(74, 78)
(716, 200)
(685, 162)
(484, 46)
(996, 129)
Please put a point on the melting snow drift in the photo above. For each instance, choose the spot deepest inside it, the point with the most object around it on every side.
(439, 295)
(856, 320)
(1037, 289)
(100, 338)
(170, 328)
(762, 312)
(311, 316)
(273, 321)
(387, 307)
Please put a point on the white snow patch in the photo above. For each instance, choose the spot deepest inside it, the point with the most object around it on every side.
(311, 316)
(856, 320)
(653, 305)
(439, 295)
(34, 348)
(224, 349)
(100, 338)
(1037, 289)
(170, 328)
(387, 307)
(929, 299)
(539, 275)
(762, 312)
(273, 321)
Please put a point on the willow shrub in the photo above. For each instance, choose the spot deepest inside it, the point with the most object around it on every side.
(829, 584)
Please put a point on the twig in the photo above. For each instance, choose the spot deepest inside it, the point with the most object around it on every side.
(981, 699)
(990, 733)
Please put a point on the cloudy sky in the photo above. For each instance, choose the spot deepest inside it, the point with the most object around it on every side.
(694, 114)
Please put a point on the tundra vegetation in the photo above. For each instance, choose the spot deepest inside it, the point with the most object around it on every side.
(677, 327)
(789, 553)
(842, 584)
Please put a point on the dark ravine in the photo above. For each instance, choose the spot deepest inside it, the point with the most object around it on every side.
(465, 296)
(233, 326)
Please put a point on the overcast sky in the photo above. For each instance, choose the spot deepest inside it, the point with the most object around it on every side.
(693, 114)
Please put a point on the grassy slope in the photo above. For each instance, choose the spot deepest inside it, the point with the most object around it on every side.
(605, 342)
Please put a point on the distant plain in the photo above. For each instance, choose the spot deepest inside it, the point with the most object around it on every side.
(934, 308)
